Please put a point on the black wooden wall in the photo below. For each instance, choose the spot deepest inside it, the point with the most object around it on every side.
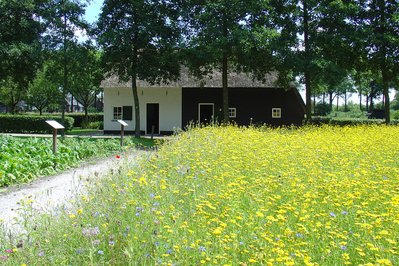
(252, 104)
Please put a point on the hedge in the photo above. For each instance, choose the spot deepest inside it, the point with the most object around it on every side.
(79, 118)
(349, 121)
(30, 123)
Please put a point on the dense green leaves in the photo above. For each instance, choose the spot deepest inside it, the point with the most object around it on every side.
(24, 159)
(139, 40)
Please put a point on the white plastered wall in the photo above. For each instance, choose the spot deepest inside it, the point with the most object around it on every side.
(170, 106)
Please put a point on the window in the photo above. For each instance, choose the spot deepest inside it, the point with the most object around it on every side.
(232, 112)
(117, 113)
(127, 113)
(276, 112)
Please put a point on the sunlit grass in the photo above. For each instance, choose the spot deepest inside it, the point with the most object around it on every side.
(236, 196)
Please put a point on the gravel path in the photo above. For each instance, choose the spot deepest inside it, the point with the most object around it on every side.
(49, 192)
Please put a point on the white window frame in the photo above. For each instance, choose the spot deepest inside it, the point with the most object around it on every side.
(232, 112)
(276, 112)
(117, 115)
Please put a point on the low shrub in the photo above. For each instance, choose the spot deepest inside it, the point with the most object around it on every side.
(320, 120)
(322, 109)
(31, 123)
(79, 118)
(94, 125)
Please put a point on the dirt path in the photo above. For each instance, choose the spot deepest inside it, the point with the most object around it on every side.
(49, 192)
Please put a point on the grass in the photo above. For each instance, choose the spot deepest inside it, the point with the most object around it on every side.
(234, 196)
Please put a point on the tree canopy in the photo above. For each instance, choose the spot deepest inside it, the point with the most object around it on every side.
(139, 39)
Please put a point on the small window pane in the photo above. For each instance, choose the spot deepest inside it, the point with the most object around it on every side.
(276, 112)
(232, 112)
(117, 113)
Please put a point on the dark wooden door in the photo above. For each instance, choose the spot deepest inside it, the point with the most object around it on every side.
(205, 114)
(153, 118)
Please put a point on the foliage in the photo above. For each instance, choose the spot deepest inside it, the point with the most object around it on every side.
(347, 121)
(63, 18)
(19, 41)
(94, 125)
(11, 94)
(139, 41)
(86, 76)
(31, 123)
(322, 109)
(228, 195)
(24, 159)
(42, 92)
(230, 35)
(395, 102)
(79, 118)
(378, 41)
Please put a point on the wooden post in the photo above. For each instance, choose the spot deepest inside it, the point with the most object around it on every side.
(123, 124)
(55, 125)
(54, 140)
(122, 133)
(152, 131)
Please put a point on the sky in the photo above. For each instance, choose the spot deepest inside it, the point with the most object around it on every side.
(93, 10)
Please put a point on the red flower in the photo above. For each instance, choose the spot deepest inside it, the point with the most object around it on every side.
(117, 156)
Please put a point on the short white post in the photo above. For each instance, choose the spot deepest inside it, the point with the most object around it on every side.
(123, 124)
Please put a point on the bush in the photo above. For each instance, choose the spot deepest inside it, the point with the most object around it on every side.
(79, 118)
(94, 125)
(349, 121)
(395, 115)
(30, 123)
(322, 109)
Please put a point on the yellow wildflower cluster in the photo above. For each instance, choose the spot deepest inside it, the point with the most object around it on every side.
(241, 196)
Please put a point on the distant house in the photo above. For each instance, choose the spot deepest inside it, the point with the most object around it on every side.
(166, 107)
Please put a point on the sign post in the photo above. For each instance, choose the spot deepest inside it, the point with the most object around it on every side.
(55, 125)
(123, 125)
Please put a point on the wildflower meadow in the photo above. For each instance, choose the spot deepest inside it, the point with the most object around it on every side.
(234, 196)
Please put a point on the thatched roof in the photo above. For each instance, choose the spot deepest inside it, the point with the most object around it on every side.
(186, 80)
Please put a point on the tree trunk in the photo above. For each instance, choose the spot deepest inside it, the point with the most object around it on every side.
(314, 103)
(307, 62)
(360, 100)
(135, 95)
(337, 102)
(225, 88)
(71, 103)
(367, 103)
(346, 102)
(386, 96)
(331, 98)
(86, 114)
(65, 81)
(384, 70)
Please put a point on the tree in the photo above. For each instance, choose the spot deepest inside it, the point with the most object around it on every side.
(326, 54)
(20, 47)
(379, 40)
(62, 19)
(11, 94)
(86, 76)
(43, 91)
(139, 41)
(229, 35)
